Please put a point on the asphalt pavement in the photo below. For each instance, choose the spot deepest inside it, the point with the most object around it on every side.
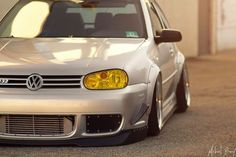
(208, 129)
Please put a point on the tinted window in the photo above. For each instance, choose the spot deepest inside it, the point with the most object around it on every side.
(87, 18)
(163, 17)
(156, 22)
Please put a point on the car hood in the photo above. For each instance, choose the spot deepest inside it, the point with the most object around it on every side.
(65, 56)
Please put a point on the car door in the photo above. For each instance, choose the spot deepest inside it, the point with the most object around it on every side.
(166, 55)
(172, 50)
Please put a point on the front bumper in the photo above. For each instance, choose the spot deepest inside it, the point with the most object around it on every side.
(122, 138)
(80, 102)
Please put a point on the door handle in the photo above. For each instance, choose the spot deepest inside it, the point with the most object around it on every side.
(172, 52)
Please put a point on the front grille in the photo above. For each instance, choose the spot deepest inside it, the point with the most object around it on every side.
(36, 125)
(49, 81)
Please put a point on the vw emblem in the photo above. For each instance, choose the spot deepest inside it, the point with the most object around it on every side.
(34, 82)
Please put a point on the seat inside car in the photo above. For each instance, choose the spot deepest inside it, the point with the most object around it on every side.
(62, 24)
(126, 22)
(103, 21)
(120, 25)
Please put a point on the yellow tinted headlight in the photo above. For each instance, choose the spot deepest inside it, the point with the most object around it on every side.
(107, 79)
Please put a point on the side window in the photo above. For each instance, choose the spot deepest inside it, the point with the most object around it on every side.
(163, 17)
(156, 21)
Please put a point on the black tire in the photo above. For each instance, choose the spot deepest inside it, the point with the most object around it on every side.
(182, 99)
(153, 124)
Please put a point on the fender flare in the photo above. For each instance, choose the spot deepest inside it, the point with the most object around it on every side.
(154, 72)
(181, 62)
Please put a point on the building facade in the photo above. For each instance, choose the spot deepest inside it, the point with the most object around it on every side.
(226, 24)
(208, 26)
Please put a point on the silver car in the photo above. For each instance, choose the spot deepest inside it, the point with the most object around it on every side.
(88, 72)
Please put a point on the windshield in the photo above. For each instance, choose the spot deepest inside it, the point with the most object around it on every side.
(74, 18)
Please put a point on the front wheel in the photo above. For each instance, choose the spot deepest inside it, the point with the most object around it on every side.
(183, 92)
(155, 116)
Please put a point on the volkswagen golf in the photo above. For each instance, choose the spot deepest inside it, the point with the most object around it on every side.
(88, 72)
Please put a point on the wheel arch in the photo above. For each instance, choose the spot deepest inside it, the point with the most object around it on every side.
(181, 62)
(154, 73)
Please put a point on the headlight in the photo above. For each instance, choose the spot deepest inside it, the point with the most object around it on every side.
(105, 80)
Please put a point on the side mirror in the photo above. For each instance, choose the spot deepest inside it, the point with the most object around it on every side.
(168, 35)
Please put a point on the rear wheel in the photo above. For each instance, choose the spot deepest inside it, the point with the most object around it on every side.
(155, 116)
(183, 92)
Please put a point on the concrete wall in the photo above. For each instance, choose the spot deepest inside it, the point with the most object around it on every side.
(226, 24)
(185, 19)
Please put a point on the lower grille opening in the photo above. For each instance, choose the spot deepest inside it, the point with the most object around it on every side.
(103, 123)
(36, 125)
